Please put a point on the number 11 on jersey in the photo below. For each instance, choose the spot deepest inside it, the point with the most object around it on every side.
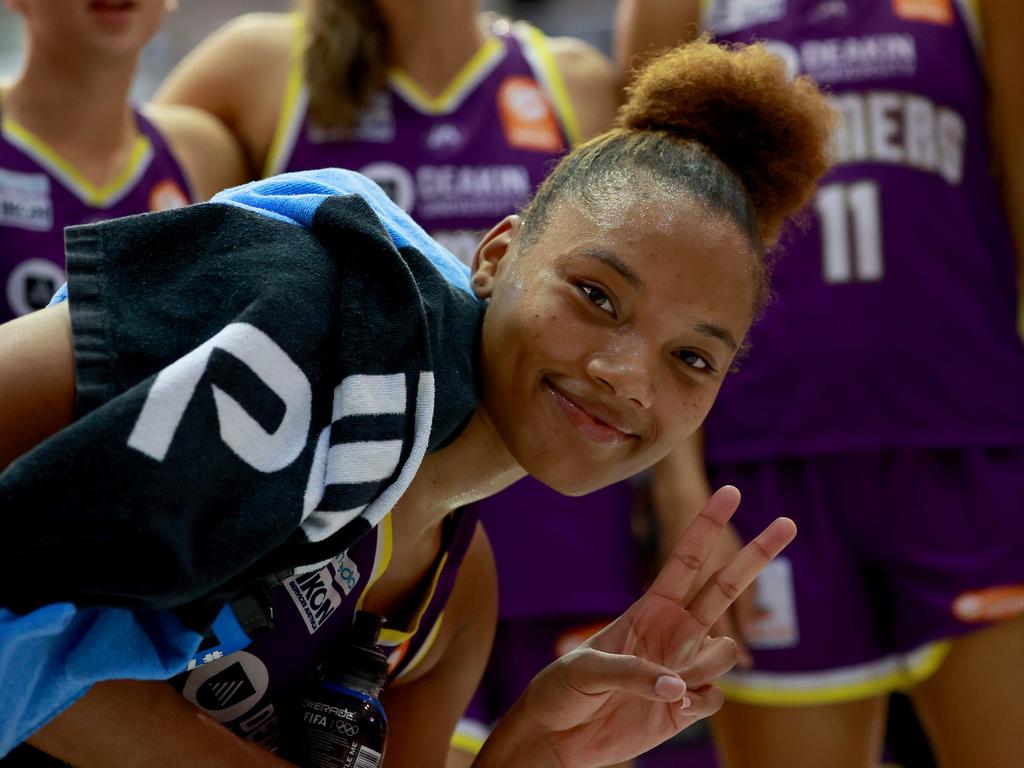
(851, 232)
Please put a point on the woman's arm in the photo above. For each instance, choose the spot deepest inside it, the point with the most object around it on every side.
(422, 714)
(37, 379)
(1002, 22)
(238, 75)
(209, 154)
(647, 27)
(130, 723)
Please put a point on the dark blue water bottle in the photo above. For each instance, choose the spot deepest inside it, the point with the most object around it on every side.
(339, 721)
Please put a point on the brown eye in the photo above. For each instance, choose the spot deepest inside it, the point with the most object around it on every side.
(598, 297)
(696, 361)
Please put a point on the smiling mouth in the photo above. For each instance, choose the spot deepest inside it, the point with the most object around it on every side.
(590, 426)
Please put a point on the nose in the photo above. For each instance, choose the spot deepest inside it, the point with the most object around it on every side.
(625, 371)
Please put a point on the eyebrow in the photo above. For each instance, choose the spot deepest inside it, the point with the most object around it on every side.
(613, 261)
(716, 332)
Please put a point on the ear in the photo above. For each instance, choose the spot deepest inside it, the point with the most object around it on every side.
(495, 245)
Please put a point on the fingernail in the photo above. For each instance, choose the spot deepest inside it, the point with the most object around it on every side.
(669, 687)
(687, 703)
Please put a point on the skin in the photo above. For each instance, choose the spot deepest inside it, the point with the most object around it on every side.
(239, 73)
(970, 715)
(233, 72)
(620, 693)
(73, 94)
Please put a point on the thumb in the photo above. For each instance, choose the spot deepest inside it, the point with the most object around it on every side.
(592, 672)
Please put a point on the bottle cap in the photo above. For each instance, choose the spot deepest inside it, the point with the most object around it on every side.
(363, 658)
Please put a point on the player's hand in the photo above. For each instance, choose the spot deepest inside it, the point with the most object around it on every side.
(744, 612)
(649, 673)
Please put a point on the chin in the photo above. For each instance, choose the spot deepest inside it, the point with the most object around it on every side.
(571, 481)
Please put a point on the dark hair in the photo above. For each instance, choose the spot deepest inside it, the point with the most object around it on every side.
(724, 123)
(345, 60)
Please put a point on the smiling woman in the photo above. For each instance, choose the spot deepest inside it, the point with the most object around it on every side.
(314, 387)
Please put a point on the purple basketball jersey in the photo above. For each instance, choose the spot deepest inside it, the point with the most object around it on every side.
(249, 691)
(458, 164)
(41, 193)
(894, 323)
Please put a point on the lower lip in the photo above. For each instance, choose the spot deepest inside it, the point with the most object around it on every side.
(112, 13)
(585, 424)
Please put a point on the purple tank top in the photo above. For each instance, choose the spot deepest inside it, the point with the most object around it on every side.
(894, 322)
(249, 691)
(458, 164)
(40, 194)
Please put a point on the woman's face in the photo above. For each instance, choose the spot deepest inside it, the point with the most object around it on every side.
(606, 340)
(91, 27)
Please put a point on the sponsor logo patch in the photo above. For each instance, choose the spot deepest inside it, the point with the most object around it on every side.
(229, 687)
(25, 200)
(347, 572)
(931, 11)
(991, 604)
(166, 195)
(527, 117)
(731, 15)
(315, 597)
(31, 285)
(776, 623)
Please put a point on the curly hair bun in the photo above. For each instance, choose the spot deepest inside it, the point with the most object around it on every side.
(739, 102)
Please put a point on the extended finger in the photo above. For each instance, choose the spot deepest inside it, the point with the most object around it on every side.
(688, 556)
(727, 584)
(593, 672)
(717, 655)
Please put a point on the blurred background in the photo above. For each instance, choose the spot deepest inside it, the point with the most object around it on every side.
(590, 20)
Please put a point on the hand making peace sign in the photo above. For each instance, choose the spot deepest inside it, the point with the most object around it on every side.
(620, 693)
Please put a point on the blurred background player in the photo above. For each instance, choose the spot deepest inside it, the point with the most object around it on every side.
(74, 150)
(908, 418)
(458, 116)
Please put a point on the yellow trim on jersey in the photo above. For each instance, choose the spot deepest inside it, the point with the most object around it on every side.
(551, 77)
(471, 743)
(91, 194)
(919, 666)
(453, 94)
(381, 558)
(971, 11)
(292, 110)
(398, 636)
(424, 649)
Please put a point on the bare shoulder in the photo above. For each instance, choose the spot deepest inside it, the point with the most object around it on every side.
(238, 74)
(209, 153)
(591, 80)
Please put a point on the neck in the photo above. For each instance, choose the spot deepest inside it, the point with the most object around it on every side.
(61, 99)
(432, 40)
(474, 466)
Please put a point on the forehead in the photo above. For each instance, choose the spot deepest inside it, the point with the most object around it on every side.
(678, 247)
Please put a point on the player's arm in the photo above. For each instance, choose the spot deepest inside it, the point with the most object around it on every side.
(422, 714)
(209, 154)
(128, 723)
(591, 82)
(679, 490)
(37, 379)
(238, 75)
(646, 27)
(1002, 21)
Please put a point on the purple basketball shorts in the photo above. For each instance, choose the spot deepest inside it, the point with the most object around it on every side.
(897, 553)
